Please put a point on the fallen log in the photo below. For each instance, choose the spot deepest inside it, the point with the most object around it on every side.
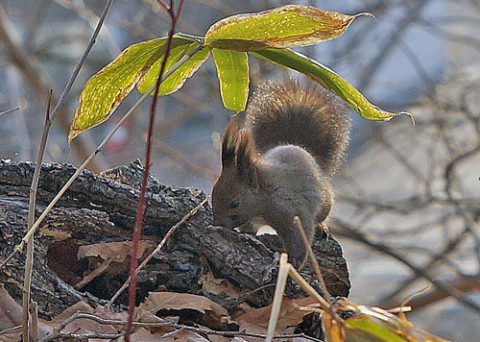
(97, 213)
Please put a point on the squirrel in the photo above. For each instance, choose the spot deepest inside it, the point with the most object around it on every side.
(277, 161)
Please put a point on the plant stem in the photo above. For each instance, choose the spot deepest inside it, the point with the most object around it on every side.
(157, 249)
(137, 232)
(27, 280)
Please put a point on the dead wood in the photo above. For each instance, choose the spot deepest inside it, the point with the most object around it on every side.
(98, 209)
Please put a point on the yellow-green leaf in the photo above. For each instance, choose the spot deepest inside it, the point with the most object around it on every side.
(107, 88)
(287, 26)
(176, 80)
(232, 71)
(375, 330)
(328, 79)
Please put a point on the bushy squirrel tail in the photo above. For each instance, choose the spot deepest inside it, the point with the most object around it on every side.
(292, 112)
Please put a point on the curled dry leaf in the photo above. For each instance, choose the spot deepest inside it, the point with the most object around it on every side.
(144, 316)
(208, 313)
(114, 251)
(109, 252)
(291, 315)
(157, 301)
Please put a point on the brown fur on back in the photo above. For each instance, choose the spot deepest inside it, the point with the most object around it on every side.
(307, 116)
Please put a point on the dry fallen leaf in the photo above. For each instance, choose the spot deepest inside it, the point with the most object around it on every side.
(11, 316)
(157, 301)
(190, 308)
(220, 287)
(145, 316)
(10, 311)
(113, 254)
(88, 326)
(114, 251)
(183, 335)
(256, 320)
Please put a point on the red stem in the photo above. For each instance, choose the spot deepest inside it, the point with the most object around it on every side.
(142, 200)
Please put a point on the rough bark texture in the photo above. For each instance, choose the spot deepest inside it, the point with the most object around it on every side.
(97, 209)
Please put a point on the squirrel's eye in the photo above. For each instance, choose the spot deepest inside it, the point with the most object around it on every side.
(234, 204)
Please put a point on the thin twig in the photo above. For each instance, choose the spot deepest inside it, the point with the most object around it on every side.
(88, 337)
(282, 277)
(137, 231)
(452, 292)
(157, 249)
(9, 111)
(23, 63)
(56, 333)
(34, 328)
(470, 225)
(63, 97)
(316, 268)
(11, 330)
(27, 279)
(465, 283)
(388, 46)
(14, 252)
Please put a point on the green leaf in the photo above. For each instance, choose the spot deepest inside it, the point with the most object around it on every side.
(176, 80)
(287, 26)
(374, 329)
(328, 79)
(107, 88)
(232, 71)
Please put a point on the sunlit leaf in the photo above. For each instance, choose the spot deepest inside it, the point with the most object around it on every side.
(150, 77)
(372, 328)
(287, 26)
(328, 79)
(106, 89)
(232, 71)
(176, 80)
(400, 326)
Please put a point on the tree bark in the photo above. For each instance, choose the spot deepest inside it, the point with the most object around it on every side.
(101, 209)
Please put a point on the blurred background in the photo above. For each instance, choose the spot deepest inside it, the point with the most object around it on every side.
(408, 199)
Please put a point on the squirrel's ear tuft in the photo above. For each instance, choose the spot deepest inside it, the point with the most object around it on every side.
(228, 143)
(238, 151)
(246, 158)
